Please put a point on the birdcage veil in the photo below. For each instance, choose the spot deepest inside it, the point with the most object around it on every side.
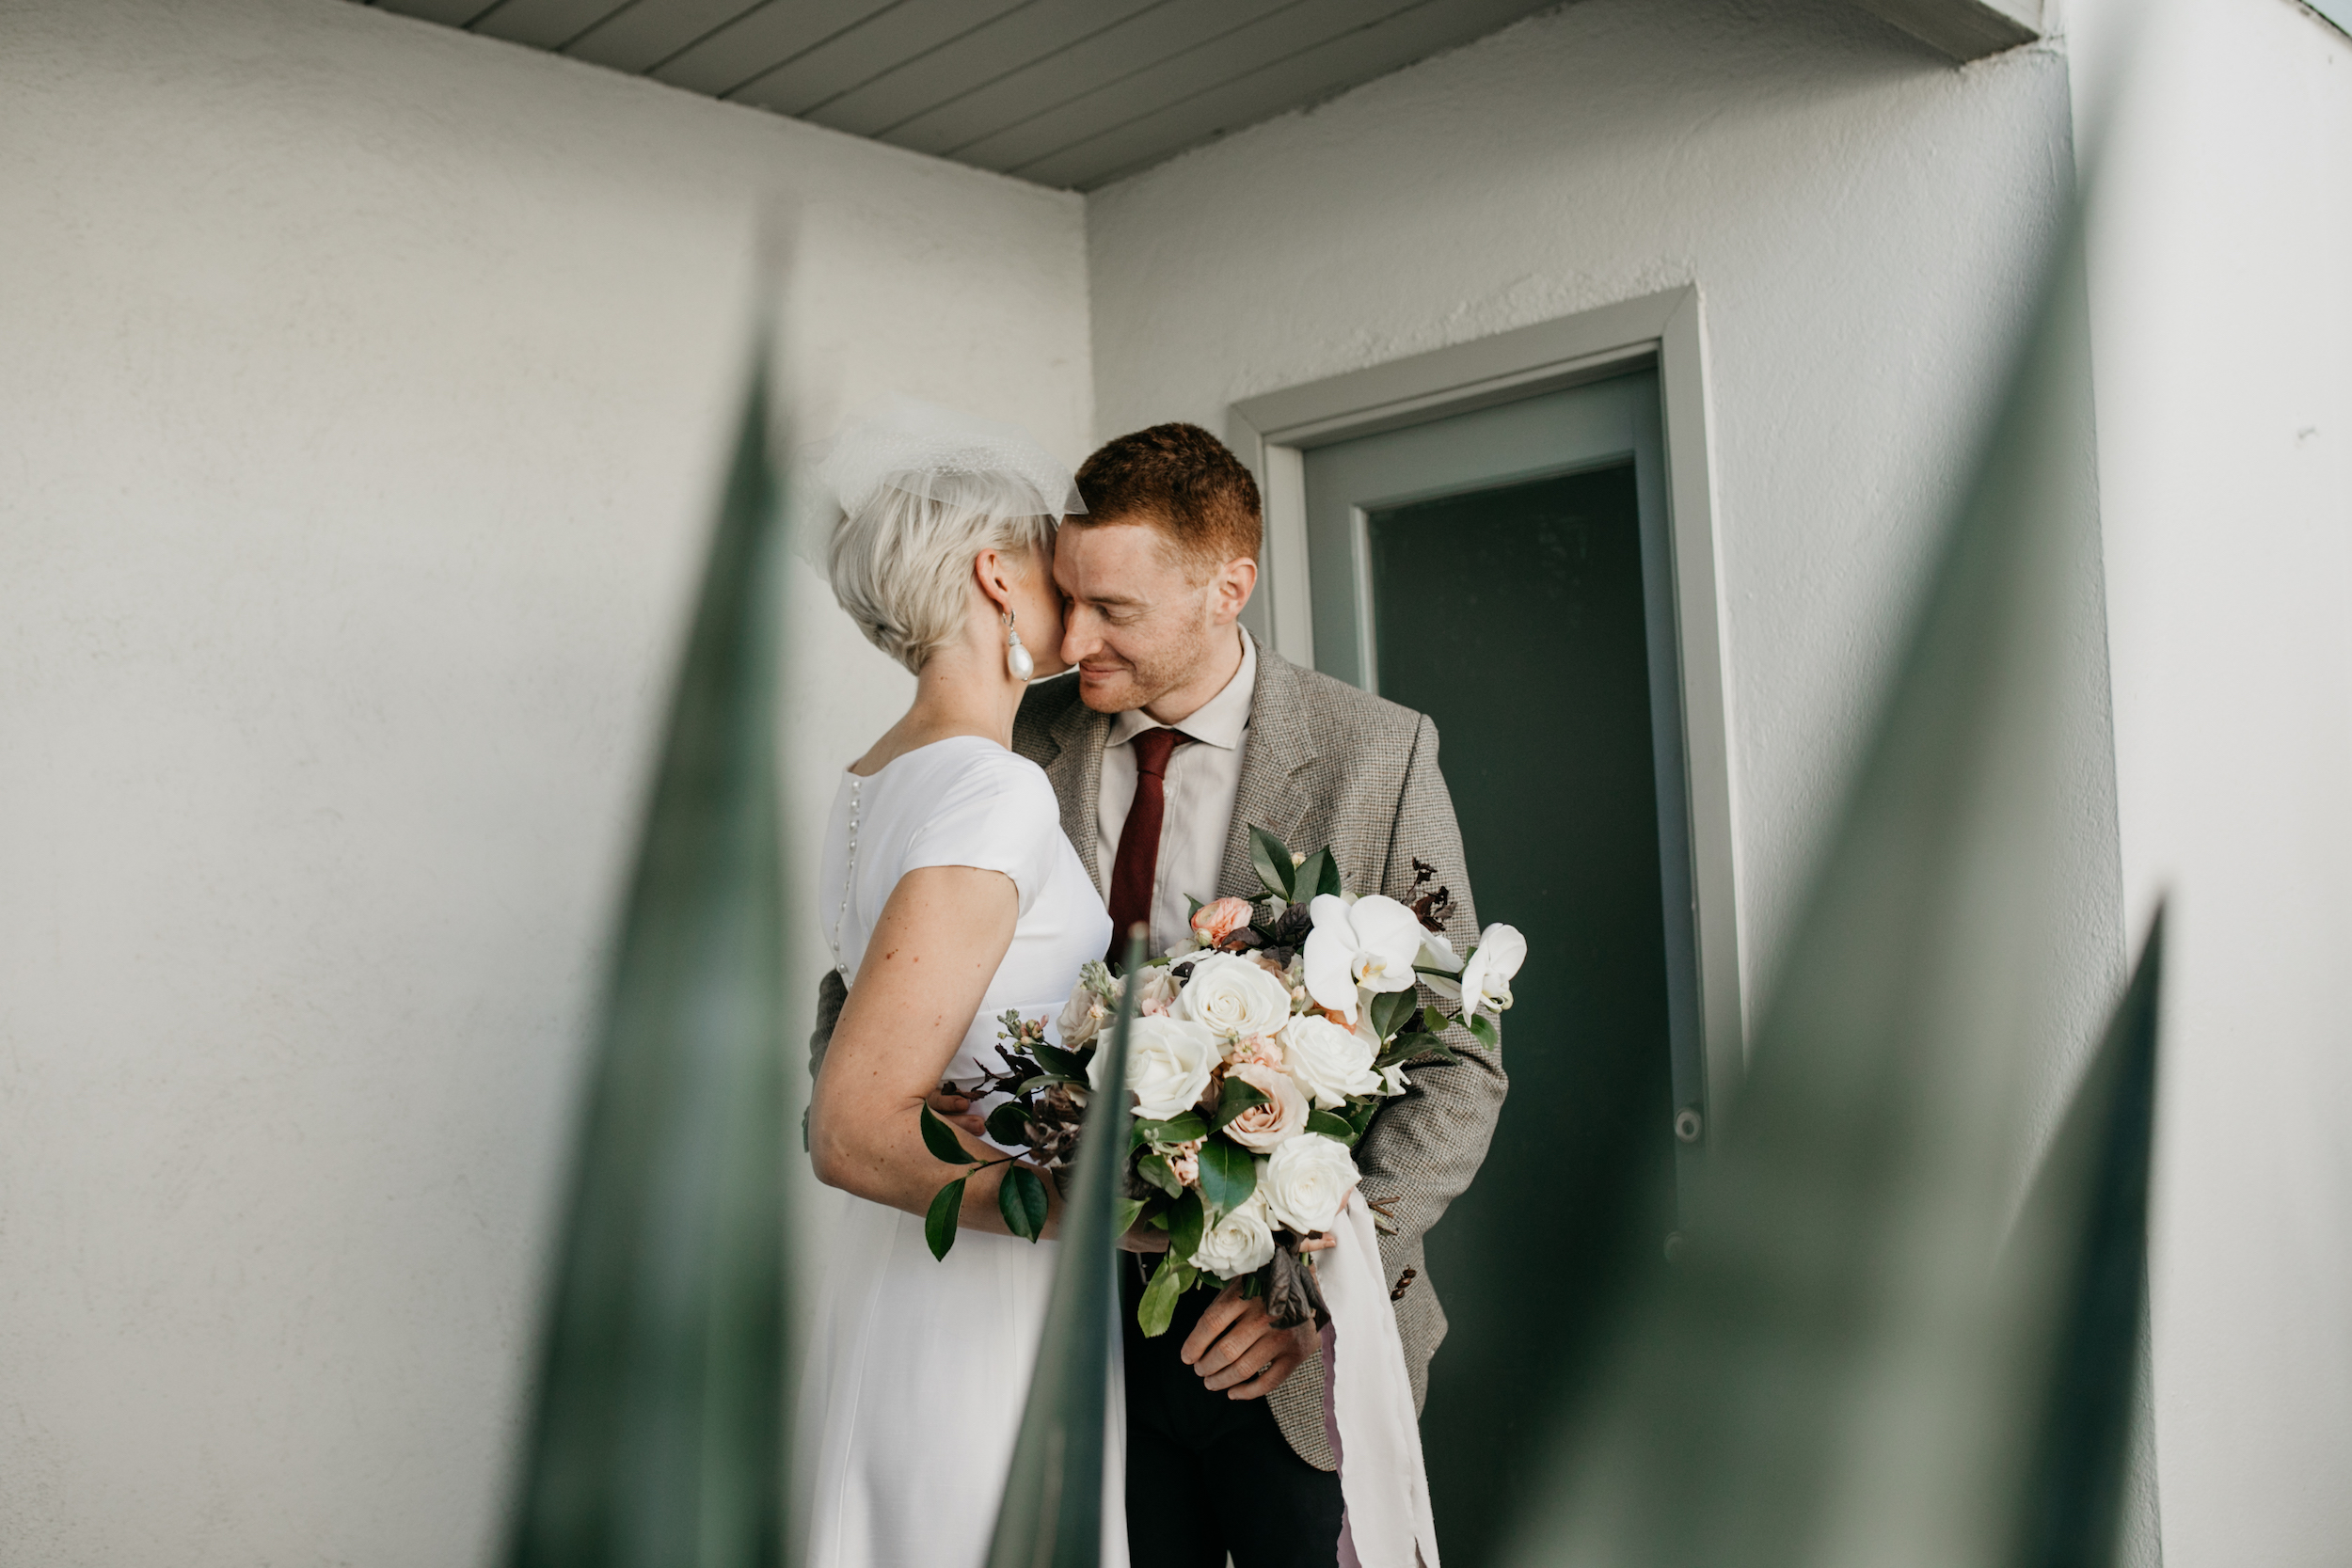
(941, 454)
(905, 495)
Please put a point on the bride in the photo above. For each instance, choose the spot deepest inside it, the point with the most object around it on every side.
(948, 894)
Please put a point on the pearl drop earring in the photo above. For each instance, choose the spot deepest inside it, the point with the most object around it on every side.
(1017, 658)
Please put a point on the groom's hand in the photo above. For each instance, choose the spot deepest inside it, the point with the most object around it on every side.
(1236, 1348)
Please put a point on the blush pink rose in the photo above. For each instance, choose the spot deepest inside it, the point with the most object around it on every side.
(1281, 1117)
(1217, 921)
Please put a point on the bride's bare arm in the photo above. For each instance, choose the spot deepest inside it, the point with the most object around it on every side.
(940, 939)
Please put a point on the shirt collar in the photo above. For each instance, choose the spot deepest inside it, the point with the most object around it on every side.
(1219, 721)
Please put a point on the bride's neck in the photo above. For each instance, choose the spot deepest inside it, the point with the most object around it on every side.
(957, 693)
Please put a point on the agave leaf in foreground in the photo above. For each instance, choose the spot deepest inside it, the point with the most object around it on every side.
(2085, 1230)
(1835, 1374)
(1052, 1512)
(657, 1439)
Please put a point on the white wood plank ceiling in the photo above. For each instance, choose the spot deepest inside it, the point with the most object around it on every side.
(1073, 93)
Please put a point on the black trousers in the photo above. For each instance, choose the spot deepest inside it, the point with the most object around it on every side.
(1208, 1475)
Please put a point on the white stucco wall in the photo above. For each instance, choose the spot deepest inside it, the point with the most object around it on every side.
(2220, 252)
(363, 393)
(1867, 226)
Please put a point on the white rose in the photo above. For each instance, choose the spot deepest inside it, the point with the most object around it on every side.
(1234, 996)
(1168, 1063)
(1082, 1018)
(1155, 992)
(1330, 1062)
(1241, 1243)
(1306, 1182)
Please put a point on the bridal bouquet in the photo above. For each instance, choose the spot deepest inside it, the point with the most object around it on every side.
(1262, 1047)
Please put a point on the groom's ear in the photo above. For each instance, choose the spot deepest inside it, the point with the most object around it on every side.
(1231, 587)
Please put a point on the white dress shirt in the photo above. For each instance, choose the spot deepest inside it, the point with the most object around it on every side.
(1202, 778)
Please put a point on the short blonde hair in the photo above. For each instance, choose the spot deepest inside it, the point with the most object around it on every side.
(900, 562)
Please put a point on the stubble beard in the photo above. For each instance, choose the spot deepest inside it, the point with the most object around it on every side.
(1139, 685)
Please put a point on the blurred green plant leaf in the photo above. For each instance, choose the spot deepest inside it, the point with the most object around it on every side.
(1837, 1372)
(2089, 1205)
(655, 1436)
(1052, 1512)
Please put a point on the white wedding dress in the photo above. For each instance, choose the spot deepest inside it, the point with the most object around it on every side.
(918, 1367)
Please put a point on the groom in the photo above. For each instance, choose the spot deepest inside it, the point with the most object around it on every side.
(1174, 735)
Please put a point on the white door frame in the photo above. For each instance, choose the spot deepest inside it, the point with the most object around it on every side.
(1271, 432)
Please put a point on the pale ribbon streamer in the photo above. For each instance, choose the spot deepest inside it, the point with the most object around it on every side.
(1368, 1407)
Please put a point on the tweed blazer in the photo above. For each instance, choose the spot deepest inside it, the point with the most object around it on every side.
(1325, 765)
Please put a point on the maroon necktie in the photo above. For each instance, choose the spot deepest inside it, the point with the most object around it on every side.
(1139, 863)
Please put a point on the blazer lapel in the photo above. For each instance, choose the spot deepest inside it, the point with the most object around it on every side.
(1076, 769)
(1280, 745)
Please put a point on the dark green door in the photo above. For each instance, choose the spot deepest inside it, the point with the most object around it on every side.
(1496, 565)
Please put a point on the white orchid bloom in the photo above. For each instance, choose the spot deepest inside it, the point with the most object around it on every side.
(1440, 966)
(1486, 981)
(1371, 943)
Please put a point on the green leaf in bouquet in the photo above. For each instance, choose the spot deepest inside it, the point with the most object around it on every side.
(1192, 907)
(1391, 1010)
(1360, 1115)
(1158, 1308)
(1229, 1174)
(942, 1141)
(1272, 859)
(1412, 1046)
(1331, 1126)
(1051, 1515)
(1238, 1097)
(1155, 1169)
(1433, 1022)
(1185, 1224)
(1054, 1059)
(1326, 880)
(1483, 1029)
(939, 1225)
(1123, 1219)
(1009, 1125)
(1021, 1201)
(1043, 1081)
(1312, 872)
(1176, 1129)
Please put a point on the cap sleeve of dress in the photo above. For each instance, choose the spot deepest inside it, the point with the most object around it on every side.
(997, 814)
